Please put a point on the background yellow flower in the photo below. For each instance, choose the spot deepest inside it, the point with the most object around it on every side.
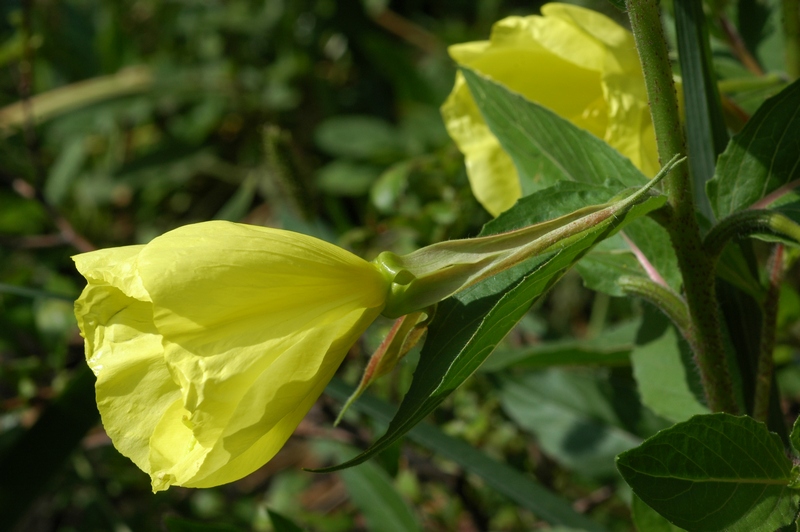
(574, 61)
(212, 342)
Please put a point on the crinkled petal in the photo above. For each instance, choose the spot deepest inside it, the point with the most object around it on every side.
(279, 397)
(124, 350)
(246, 310)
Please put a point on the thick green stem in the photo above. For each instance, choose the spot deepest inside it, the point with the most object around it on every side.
(769, 324)
(746, 223)
(696, 266)
(662, 298)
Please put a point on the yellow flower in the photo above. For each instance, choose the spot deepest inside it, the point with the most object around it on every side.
(576, 62)
(212, 342)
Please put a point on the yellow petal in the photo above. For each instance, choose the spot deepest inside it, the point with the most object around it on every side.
(246, 310)
(491, 172)
(574, 61)
(212, 342)
(124, 350)
(279, 397)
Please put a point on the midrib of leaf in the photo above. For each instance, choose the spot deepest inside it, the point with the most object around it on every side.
(738, 480)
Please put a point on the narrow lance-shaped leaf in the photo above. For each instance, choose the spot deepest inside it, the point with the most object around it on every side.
(469, 325)
(705, 129)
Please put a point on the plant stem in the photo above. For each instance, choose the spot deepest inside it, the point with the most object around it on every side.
(695, 265)
(663, 298)
(769, 324)
(747, 223)
(791, 30)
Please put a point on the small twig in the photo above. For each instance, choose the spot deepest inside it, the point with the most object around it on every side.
(407, 30)
(769, 324)
(738, 47)
(595, 498)
(764, 202)
(648, 267)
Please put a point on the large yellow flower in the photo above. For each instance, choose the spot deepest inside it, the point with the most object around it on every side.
(576, 62)
(212, 342)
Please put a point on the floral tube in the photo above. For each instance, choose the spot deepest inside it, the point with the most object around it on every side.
(574, 61)
(212, 342)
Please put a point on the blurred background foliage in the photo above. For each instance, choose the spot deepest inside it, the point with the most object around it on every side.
(123, 119)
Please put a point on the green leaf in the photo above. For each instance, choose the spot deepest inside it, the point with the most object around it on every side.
(715, 472)
(345, 178)
(544, 150)
(469, 325)
(763, 157)
(518, 487)
(611, 348)
(614, 258)
(281, 523)
(372, 492)
(648, 520)
(359, 137)
(606, 263)
(706, 133)
(665, 373)
(64, 171)
(573, 416)
(548, 150)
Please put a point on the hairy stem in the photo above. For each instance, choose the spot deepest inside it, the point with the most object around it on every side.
(663, 298)
(769, 324)
(696, 266)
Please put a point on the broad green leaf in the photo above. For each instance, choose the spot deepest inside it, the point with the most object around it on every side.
(573, 416)
(614, 258)
(282, 523)
(518, 487)
(372, 492)
(543, 149)
(715, 472)
(763, 157)
(606, 263)
(648, 520)
(359, 137)
(611, 348)
(654, 242)
(665, 373)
